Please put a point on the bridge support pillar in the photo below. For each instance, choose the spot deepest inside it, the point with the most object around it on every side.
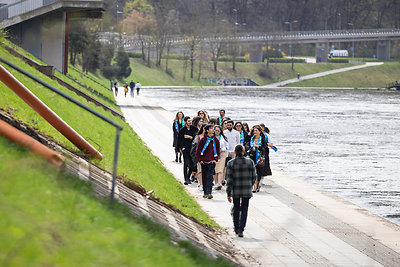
(383, 49)
(44, 37)
(256, 53)
(321, 52)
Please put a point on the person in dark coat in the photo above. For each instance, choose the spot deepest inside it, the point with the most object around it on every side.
(256, 149)
(176, 126)
(185, 139)
(132, 86)
(267, 167)
(116, 87)
(240, 178)
(207, 154)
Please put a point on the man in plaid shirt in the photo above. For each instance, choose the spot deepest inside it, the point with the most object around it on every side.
(240, 178)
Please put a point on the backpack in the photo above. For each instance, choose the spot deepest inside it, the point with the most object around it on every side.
(193, 152)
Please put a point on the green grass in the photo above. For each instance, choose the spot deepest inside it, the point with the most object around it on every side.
(371, 77)
(136, 161)
(53, 219)
(76, 73)
(158, 76)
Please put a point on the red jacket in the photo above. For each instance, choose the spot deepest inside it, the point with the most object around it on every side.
(208, 154)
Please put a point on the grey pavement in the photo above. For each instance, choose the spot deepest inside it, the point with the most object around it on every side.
(320, 74)
(291, 222)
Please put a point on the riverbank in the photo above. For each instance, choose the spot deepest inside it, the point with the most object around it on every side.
(291, 222)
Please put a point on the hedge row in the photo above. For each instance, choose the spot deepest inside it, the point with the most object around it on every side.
(338, 60)
(134, 54)
(230, 58)
(287, 60)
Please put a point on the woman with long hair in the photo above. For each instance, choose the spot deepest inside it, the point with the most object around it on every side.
(243, 135)
(256, 149)
(201, 113)
(220, 166)
(197, 122)
(176, 126)
(267, 168)
(246, 127)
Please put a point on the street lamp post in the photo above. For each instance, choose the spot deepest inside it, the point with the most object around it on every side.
(290, 44)
(235, 48)
(352, 45)
(340, 25)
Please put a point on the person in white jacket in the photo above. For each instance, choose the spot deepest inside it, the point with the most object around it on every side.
(233, 138)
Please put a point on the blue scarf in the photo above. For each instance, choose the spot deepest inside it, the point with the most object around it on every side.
(209, 139)
(256, 148)
(241, 136)
(177, 125)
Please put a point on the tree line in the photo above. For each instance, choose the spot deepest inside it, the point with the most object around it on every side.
(194, 19)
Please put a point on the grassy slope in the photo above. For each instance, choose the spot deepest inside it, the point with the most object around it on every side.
(157, 76)
(135, 161)
(77, 74)
(52, 219)
(371, 77)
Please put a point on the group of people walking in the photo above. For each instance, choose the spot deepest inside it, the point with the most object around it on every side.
(132, 86)
(218, 151)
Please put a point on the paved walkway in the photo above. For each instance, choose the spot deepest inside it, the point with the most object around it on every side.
(291, 222)
(320, 74)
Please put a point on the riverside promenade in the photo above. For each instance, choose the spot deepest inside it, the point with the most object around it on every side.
(291, 222)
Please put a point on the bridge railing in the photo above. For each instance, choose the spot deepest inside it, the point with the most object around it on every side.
(129, 41)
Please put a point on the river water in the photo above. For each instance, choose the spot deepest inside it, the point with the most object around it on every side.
(345, 141)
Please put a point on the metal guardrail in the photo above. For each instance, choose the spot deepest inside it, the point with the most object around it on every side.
(118, 127)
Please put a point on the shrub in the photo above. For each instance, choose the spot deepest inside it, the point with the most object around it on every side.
(286, 60)
(264, 73)
(176, 56)
(230, 58)
(170, 72)
(122, 60)
(338, 60)
(134, 54)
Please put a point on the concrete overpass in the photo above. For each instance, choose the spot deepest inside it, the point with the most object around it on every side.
(321, 39)
(41, 26)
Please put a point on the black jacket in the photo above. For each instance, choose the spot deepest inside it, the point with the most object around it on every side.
(186, 142)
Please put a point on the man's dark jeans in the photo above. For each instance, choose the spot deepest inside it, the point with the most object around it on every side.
(240, 208)
(187, 165)
(207, 170)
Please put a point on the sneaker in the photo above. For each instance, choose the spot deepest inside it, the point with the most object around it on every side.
(240, 234)
(218, 187)
(205, 196)
(200, 187)
(210, 196)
